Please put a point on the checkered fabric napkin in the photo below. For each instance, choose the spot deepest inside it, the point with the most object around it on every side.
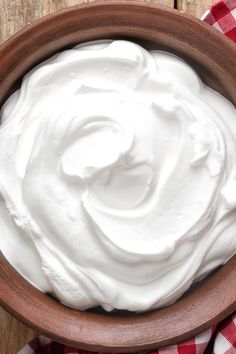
(222, 16)
(220, 339)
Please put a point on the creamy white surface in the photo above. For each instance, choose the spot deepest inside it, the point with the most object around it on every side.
(117, 176)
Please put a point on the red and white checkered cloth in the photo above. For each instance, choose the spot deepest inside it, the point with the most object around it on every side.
(220, 339)
(222, 16)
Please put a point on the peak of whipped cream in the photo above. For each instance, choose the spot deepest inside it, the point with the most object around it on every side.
(117, 177)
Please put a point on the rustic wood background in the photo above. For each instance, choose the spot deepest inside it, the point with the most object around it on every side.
(15, 14)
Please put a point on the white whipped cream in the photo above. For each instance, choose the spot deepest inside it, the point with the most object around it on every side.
(117, 176)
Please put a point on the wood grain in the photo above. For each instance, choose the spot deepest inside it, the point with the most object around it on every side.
(13, 334)
(15, 14)
(194, 7)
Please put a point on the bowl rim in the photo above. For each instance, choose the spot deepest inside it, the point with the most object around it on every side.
(108, 333)
(105, 332)
(210, 31)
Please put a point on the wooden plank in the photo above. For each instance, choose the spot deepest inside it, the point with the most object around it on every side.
(13, 334)
(194, 7)
(15, 14)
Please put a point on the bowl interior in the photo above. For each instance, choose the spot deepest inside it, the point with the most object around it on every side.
(153, 27)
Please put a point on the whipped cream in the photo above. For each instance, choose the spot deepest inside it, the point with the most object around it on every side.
(117, 177)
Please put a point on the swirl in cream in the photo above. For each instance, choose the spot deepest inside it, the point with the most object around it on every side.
(118, 174)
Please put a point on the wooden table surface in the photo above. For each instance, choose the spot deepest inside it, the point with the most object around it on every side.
(15, 14)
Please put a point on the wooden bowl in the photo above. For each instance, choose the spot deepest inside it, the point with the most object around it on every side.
(214, 58)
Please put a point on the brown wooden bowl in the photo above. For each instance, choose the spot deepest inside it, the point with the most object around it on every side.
(213, 56)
